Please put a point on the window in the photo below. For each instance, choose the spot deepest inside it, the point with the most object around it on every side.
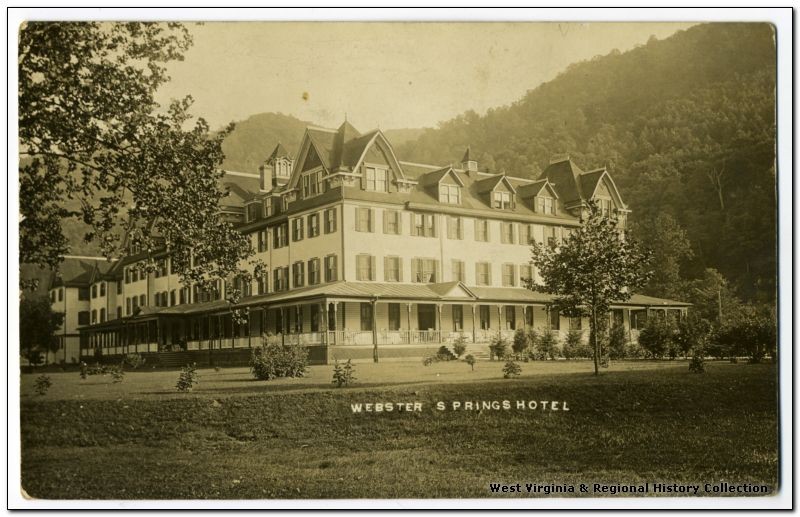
(102, 288)
(364, 219)
(313, 225)
(458, 271)
(83, 293)
(501, 200)
(94, 317)
(450, 194)
(119, 287)
(638, 319)
(94, 291)
(267, 207)
(83, 318)
(280, 236)
(391, 222)
(511, 317)
(184, 295)
(127, 276)
(455, 228)
(261, 283)
(119, 311)
(128, 306)
(509, 276)
(458, 318)
(60, 294)
(298, 319)
(483, 273)
(331, 273)
(376, 179)
(313, 271)
(330, 220)
(312, 184)
(605, 206)
(394, 316)
(315, 318)
(525, 274)
(173, 297)
(52, 296)
(526, 234)
(297, 229)
(482, 230)
(262, 241)
(544, 205)
(528, 315)
(254, 211)
(298, 274)
(550, 236)
(484, 316)
(424, 270)
(575, 323)
(391, 269)
(366, 316)
(555, 320)
(365, 267)
(135, 275)
(507, 233)
(424, 225)
(142, 300)
(281, 279)
(102, 315)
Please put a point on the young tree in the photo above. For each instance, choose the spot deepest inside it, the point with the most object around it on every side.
(95, 146)
(596, 265)
(37, 327)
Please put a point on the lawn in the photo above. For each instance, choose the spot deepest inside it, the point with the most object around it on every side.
(234, 437)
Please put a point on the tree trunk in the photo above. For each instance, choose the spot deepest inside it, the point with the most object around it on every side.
(595, 346)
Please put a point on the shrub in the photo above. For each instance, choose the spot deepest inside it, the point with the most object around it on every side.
(343, 375)
(460, 345)
(444, 354)
(511, 369)
(521, 342)
(546, 346)
(274, 360)
(84, 370)
(575, 348)
(429, 360)
(697, 364)
(657, 337)
(498, 347)
(470, 360)
(617, 342)
(117, 373)
(187, 378)
(42, 384)
(134, 360)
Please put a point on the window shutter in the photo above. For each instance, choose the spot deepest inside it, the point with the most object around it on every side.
(371, 219)
(477, 273)
(399, 223)
(515, 269)
(399, 266)
(334, 260)
(489, 270)
(385, 268)
(386, 214)
(436, 271)
(372, 275)
(363, 178)
(460, 228)
(414, 269)
(515, 226)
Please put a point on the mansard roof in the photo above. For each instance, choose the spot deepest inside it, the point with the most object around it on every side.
(79, 271)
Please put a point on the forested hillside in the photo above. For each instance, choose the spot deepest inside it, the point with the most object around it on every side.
(686, 126)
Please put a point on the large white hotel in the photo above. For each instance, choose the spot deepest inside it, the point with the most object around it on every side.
(365, 252)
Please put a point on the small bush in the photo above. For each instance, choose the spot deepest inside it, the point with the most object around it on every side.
(84, 370)
(134, 360)
(511, 369)
(187, 378)
(117, 373)
(429, 360)
(546, 346)
(657, 338)
(521, 343)
(470, 360)
(444, 354)
(697, 364)
(575, 348)
(42, 384)
(617, 342)
(343, 375)
(274, 360)
(498, 347)
(460, 345)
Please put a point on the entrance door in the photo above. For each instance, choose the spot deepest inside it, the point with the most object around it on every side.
(426, 316)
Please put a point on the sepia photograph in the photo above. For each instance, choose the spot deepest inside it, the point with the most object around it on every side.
(520, 261)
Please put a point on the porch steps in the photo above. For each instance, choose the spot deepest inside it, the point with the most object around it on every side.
(175, 359)
(479, 352)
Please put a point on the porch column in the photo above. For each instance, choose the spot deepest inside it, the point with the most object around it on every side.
(322, 323)
(249, 330)
(439, 320)
(335, 323)
(474, 332)
(408, 320)
(547, 315)
(374, 302)
(500, 317)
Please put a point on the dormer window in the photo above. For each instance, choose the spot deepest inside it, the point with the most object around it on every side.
(544, 205)
(312, 184)
(253, 212)
(501, 200)
(450, 194)
(376, 179)
(605, 206)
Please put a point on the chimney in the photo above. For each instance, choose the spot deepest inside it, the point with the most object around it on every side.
(266, 182)
(467, 163)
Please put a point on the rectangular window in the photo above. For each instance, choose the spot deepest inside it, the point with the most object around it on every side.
(528, 316)
(575, 323)
(173, 297)
(254, 212)
(262, 241)
(119, 311)
(312, 184)
(507, 233)
(483, 273)
(313, 271)
(331, 272)
(280, 236)
(135, 275)
(297, 229)
(313, 225)
(83, 293)
(261, 283)
(52, 297)
(376, 179)
(391, 222)
(394, 316)
(128, 306)
(83, 318)
(544, 205)
(501, 200)
(119, 287)
(638, 319)
(455, 228)
(60, 294)
(509, 276)
(298, 274)
(450, 194)
(424, 225)
(525, 275)
(511, 317)
(94, 291)
(366, 316)
(94, 317)
(330, 220)
(143, 300)
(555, 320)
(102, 288)
(458, 318)
(423, 270)
(525, 234)
(458, 271)
(102, 315)
(484, 315)
(364, 219)
(550, 236)
(315, 318)
(365, 267)
(482, 230)
(391, 269)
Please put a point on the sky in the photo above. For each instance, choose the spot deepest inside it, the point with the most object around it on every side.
(382, 75)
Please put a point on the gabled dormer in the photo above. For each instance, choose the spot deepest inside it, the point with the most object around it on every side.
(497, 192)
(445, 185)
(540, 196)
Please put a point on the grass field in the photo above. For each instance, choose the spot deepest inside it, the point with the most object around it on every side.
(237, 438)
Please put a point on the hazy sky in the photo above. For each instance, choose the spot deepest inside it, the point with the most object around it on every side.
(387, 75)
